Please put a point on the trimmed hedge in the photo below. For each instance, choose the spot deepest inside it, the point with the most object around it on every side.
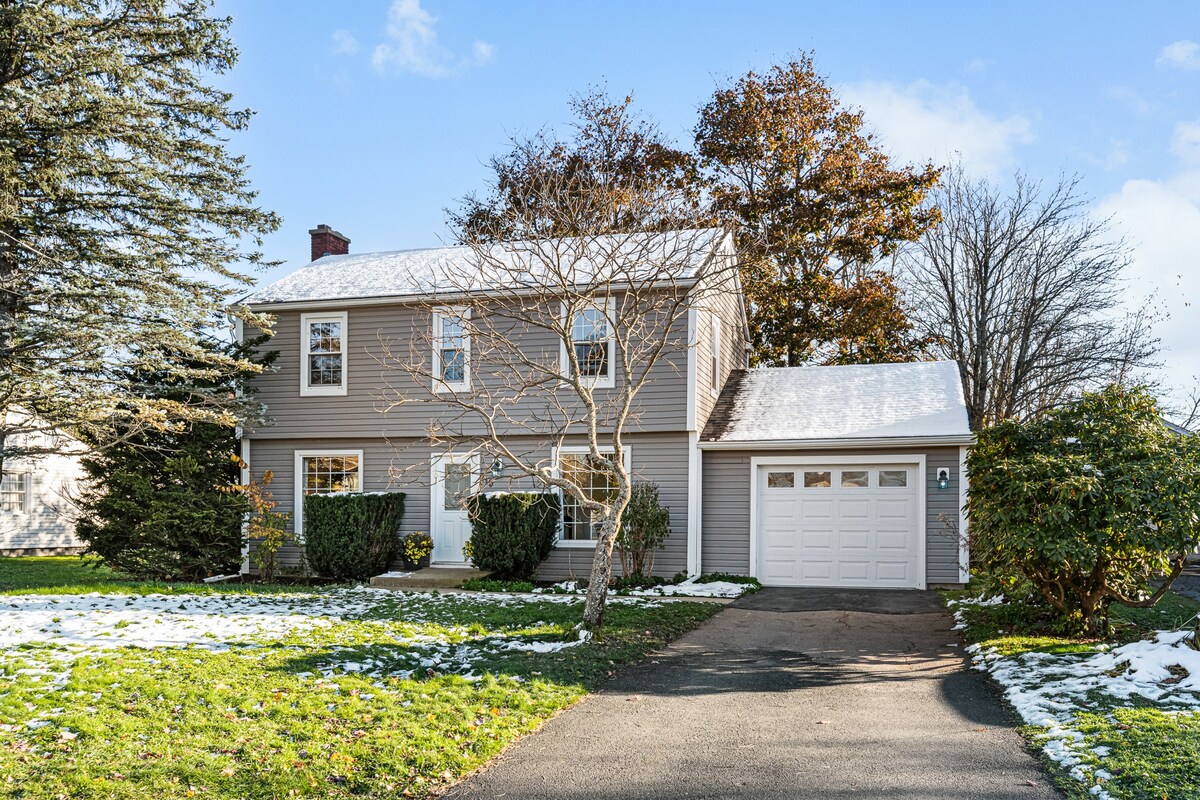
(511, 534)
(352, 536)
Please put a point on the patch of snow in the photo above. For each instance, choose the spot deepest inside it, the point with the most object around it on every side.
(690, 588)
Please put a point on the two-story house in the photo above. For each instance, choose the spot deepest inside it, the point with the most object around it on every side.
(825, 476)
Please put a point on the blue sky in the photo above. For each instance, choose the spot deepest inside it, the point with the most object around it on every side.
(375, 115)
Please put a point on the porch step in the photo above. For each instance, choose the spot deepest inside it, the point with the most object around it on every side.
(427, 578)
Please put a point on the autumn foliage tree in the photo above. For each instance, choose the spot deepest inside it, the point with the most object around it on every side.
(816, 204)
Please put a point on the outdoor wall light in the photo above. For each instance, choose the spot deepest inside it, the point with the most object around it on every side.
(497, 467)
(943, 478)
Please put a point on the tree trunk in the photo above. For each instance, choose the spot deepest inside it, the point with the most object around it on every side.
(597, 596)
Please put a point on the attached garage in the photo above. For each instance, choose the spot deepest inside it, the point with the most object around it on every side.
(838, 477)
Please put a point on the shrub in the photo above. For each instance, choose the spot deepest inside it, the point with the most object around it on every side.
(645, 526)
(266, 528)
(352, 536)
(511, 534)
(489, 585)
(1087, 503)
(416, 546)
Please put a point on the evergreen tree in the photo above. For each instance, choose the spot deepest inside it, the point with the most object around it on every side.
(124, 218)
(165, 503)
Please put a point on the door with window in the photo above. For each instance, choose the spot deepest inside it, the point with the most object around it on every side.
(455, 479)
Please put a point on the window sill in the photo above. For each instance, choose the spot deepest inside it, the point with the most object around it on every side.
(577, 544)
(450, 388)
(323, 391)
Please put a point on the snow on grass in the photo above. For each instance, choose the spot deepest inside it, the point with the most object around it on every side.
(1049, 690)
(410, 631)
(689, 588)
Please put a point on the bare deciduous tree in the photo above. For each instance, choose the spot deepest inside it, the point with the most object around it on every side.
(1024, 290)
(544, 342)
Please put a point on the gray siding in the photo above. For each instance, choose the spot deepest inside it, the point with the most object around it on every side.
(379, 337)
(404, 465)
(724, 300)
(727, 494)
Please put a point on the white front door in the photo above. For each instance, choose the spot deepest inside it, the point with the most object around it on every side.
(454, 480)
(853, 525)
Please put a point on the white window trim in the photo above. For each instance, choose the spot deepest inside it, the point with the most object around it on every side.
(600, 381)
(556, 454)
(439, 314)
(714, 356)
(27, 503)
(298, 480)
(305, 321)
(837, 461)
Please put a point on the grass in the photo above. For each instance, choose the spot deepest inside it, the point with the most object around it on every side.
(76, 575)
(297, 715)
(1148, 751)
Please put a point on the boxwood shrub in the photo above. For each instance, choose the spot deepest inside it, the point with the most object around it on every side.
(512, 533)
(352, 536)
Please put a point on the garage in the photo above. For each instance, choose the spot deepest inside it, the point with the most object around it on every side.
(838, 477)
(843, 524)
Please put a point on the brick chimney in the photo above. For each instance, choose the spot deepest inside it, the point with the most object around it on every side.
(328, 242)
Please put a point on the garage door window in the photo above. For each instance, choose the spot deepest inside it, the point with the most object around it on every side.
(856, 479)
(817, 480)
(893, 478)
(781, 480)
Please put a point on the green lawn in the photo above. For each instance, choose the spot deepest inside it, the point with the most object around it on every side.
(334, 693)
(1103, 729)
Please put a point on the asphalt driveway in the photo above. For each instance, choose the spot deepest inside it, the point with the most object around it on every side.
(785, 694)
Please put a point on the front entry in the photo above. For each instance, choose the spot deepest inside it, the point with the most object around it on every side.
(454, 480)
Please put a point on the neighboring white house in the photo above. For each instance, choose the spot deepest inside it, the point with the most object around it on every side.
(36, 514)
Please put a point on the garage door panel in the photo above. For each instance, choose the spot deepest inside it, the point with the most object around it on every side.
(844, 534)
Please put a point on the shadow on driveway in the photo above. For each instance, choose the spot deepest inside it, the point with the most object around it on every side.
(785, 694)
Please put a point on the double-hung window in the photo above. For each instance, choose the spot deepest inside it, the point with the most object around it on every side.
(323, 354)
(593, 344)
(451, 350)
(578, 466)
(326, 472)
(14, 492)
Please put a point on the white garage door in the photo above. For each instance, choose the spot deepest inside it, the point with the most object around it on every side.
(838, 525)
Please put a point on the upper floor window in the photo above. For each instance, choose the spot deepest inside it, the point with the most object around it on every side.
(323, 354)
(714, 354)
(14, 492)
(594, 344)
(451, 349)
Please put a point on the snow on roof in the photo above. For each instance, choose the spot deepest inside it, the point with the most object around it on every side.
(862, 401)
(458, 269)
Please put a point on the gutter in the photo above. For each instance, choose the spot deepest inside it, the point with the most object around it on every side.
(956, 440)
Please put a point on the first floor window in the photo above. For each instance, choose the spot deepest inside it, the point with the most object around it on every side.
(330, 474)
(14, 491)
(598, 483)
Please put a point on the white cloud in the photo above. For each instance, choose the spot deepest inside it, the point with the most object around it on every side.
(412, 45)
(923, 121)
(977, 66)
(344, 43)
(484, 51)
(1183, 54)
(1129, 98)
(1185, 142)
(1162, 222)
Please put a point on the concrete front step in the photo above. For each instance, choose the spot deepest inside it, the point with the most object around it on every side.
(427, 578)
